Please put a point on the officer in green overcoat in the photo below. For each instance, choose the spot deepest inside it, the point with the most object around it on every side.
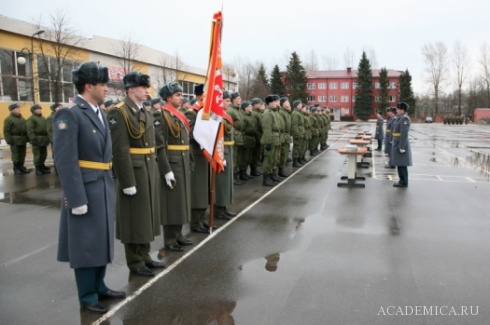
(249, 134)
(329, 126)
(297, 132)
(306, 112)
(285, 113)
(15, 133)
(49, 124)
(38, 137)
(315, 131)
(137, 178)
(224, 181)
(271, 139)
(232, 111)
(200, 171)
(174, 160)
(257, 112)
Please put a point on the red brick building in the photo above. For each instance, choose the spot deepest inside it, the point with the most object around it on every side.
(337, 89)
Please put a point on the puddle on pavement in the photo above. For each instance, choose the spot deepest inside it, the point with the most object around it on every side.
(49, 196)
(314, 176)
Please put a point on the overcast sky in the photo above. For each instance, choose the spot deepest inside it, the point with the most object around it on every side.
(269, 30)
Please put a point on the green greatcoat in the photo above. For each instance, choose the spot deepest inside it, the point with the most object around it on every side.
(329, 126)
(137, 216)
(15, 133)
(38, 137)
(200, 171)
(285, 135)
(49, 127)
(298, 133)
(308, 134)
(176, 202)
(224, 180)
(314, 131)
(233, 112)
(249, 134)
(321, 128)
(270, 138)
(257, 119)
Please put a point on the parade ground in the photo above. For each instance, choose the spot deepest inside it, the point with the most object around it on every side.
(303, 252)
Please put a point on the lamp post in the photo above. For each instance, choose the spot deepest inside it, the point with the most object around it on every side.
(34, 80)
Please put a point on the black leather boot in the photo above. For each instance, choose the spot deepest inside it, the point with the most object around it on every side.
(296, 163)
(236, 180)
(39, 170)
(254, 171)
(267, 181)
(24, 170)
(303, 160)
(276, 177)
(282, 173)
(18, 170)
(45, 169)
(243, 176)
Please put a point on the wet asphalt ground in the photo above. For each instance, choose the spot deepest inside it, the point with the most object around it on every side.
(305, 252)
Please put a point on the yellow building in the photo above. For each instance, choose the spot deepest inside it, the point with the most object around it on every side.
(32, 58)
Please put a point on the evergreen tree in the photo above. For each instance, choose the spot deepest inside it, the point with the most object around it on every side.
(260, 85)
(406, 91)
(383, 90)
(364, 91)
(276, 86)
(296, 79)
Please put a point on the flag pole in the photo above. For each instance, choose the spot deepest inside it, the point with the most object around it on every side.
(212, 187)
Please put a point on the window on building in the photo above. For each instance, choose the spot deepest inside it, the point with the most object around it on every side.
(392, 99)
(333, 85)
(344, 99)
(332, 99)
(354, 85)
(353, 99)
(377, 85)
(344, 85)
(49, 89)
(16, 78)
(377, 99)
(322, 85)
(322, 99)
(311, 86)
(392, 85)
(311, 98)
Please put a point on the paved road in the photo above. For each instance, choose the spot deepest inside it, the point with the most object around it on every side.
(305, 252)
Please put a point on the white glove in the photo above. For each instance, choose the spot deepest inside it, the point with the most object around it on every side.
(170, 179)
(80, 210)
(130, 190)
(224, 163)
(402, 150)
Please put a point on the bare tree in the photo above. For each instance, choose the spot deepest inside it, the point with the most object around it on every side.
(172, 68)
(246, 72)
(485, 63)
(372, 58)
(348, 58)
(330, 63)
(435, 57)
(460, 60)
(127, 53)
(310, 62)
(58, 47)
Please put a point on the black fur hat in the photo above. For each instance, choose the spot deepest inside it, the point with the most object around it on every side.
(270, 98)
(199, 89)
(234, 95)
(170, 89)
(296, 103)
(283, 100)
(90, 73)
(136, 79)
(13, 106)
(54, 106)
(245, 104)
(226, 94)
(34, 107)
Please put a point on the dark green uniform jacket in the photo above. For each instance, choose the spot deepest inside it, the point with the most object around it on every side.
(176, 202)
(248, 129)
(271, 127)
(286, 130)
(224, 180)
(233, 111)
(36, 130)
(49, 127)
(200, 169)
(297, 124)
(15, 130)
(137, 216)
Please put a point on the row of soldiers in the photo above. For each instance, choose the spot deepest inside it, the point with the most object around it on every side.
(36, 129)
(262, 133)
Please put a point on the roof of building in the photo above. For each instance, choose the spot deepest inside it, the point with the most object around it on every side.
(346, 74)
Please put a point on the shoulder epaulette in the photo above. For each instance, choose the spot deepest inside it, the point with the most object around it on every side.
(120, 104)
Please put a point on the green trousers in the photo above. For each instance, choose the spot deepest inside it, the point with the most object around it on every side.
(245, 158)
(298, 147)
(171, 233)
(40, 155)
(284, 153)
(269, 159)
(137, 255)
(256, 152)
(90, 282)
(18, 154)
(198, 217)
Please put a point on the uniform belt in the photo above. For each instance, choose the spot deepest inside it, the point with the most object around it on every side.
(388, 131)
(177, 147)
(141, 151)
(229, 143)
(95, 165)
(396, 134)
